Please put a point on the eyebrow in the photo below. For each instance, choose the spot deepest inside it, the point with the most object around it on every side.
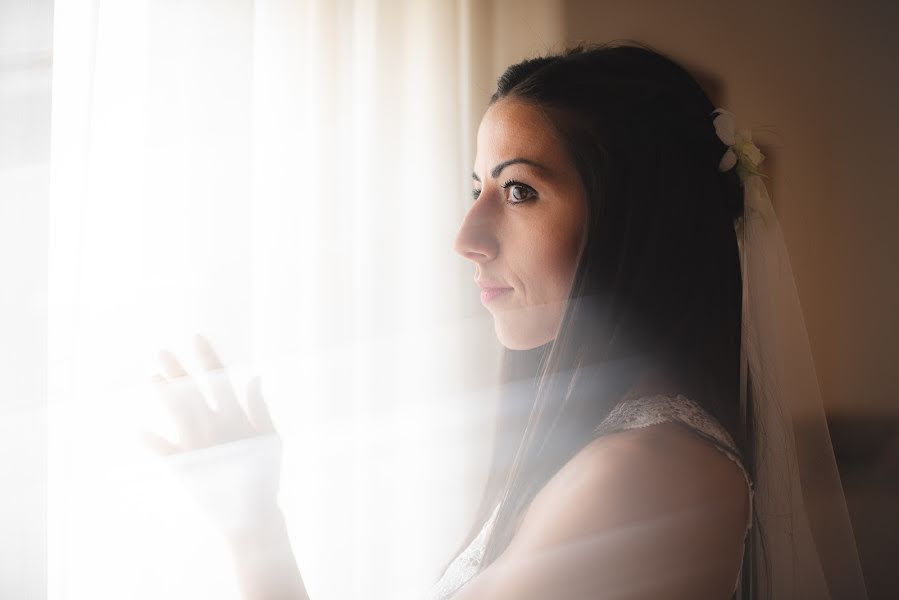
(498, 168)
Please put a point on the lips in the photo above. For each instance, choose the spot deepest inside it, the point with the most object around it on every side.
(491, 289)
(489, 294)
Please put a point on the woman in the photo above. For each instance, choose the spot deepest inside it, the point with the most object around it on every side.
(599, 208)
(602, 235)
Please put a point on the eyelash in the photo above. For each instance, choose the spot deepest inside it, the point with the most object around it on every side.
(509, 183)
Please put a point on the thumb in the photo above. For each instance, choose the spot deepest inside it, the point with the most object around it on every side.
(257, 410)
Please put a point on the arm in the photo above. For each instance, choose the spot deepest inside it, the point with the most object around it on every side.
(230, 461)
(647, 513)
(264, 562)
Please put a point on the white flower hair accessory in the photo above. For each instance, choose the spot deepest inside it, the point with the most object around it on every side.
(742, 152)
(747, 157)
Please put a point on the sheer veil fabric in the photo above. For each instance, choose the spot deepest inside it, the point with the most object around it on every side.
(802, 545)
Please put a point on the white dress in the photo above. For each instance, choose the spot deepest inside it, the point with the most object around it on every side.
(632, 413)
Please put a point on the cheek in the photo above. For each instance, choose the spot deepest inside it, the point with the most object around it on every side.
(554, 262)
(563, 267)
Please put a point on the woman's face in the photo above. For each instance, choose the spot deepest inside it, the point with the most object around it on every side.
(530, 248)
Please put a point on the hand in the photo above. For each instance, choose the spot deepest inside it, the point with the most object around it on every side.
(198, 425)
(229, 459)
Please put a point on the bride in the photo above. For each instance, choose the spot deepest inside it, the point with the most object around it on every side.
(602, 237)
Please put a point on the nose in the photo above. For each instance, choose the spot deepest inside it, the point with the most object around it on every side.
(476, 239)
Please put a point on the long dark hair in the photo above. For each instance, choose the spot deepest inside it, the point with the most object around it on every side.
(657, 284)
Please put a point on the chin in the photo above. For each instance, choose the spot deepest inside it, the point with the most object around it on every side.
(519, 337)
(527, 328)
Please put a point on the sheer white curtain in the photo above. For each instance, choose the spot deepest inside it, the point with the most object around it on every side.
(286, 177)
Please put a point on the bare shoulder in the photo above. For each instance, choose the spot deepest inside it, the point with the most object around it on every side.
(670, 460)
(658, 505)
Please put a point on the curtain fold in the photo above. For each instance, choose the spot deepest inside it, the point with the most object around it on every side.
(286, 177)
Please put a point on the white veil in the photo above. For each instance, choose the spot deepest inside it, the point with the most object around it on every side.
(801, 542)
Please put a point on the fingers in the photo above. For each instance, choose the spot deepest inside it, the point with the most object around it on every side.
(158, 444)
(257, 408)
(232, 422)
(171, 367)
(190, 413)
(179, 379)
(222, 390)
(196, 423)
(208, 356)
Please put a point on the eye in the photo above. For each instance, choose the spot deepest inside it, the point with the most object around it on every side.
(521, 196)
(475, 194)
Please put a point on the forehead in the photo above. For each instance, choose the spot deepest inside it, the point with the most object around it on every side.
(512, 129)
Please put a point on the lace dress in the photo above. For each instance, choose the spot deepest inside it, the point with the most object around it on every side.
(632, 413)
